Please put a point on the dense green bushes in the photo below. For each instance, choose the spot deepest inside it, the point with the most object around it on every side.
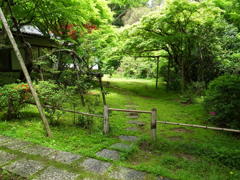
(223, 101)
(137, 68)
(13, 98)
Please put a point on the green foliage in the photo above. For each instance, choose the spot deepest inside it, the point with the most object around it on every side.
(188, 32)
(223, 101)
(13, 98)
(137, 68)
(50, 94)
(120, 8)
(55, 16)
(170, 77)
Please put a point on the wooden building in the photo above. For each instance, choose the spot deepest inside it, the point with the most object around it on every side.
(10, 69)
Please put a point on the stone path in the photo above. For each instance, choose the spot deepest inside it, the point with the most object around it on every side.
(36, 162)
(32, 161)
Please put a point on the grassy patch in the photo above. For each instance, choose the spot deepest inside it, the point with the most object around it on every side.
(179, 153)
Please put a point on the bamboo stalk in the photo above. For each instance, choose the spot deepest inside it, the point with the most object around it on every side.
(199, 126)
(128, 110)
(26, 74)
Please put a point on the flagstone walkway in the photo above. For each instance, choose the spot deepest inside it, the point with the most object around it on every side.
(31, 161)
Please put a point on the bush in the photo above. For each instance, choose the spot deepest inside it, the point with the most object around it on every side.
(13, 98)
(51, 94)
(223, 101)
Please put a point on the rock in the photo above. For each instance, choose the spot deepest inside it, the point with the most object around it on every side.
(121, 147)
(95, 166)
(64, 157)
(109, 154)
(175, 138)
(127, 174)
(52, 173)
(25, 168)
(4, 139)
(128, 138)
(38, 150)
(6, 157)
(18, 145)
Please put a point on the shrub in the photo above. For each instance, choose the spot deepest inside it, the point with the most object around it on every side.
(51, 94)
(13, 98)
(222, 101)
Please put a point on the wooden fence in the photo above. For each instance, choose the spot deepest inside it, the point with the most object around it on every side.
(154, 121)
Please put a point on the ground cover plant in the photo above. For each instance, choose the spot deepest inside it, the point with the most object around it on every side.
(179, 153)
(189, 48)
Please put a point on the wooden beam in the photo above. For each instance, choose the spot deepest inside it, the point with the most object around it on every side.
(199, 126)
(26, 74)
(128, 110)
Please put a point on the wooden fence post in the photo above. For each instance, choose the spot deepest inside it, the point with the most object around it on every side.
(106, 120)
(26, 74)
(154, 124)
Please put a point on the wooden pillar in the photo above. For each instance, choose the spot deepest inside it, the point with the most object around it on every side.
(157, 75)
(154, 124)
(106, 120)
(26, 74)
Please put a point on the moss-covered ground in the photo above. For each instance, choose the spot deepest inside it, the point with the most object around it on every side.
(179, 153)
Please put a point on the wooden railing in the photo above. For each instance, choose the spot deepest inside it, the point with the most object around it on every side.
(106, 126)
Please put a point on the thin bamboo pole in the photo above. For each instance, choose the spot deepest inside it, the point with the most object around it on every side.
(70, 111)
(26, 74)
(199, 126)
(128, 110)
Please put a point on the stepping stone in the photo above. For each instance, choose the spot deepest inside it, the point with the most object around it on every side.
(6, 157)
(95, 166)
(128, 174)
(10, 141)
(38, 150)
(121, 147)
(162, 178)
(109, 154)
(175, 138)
(52, 173)
(139, 123)
(128, 138)
(4, 139)
(133, 114)
(64, 157)
(132, 129)
(24, 168)
(17, 145)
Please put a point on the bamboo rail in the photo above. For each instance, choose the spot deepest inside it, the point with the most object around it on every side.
(199, 126)
(70, 111)
(153, 113)
(128, 110)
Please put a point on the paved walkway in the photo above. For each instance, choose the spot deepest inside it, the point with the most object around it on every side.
(36, 162)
